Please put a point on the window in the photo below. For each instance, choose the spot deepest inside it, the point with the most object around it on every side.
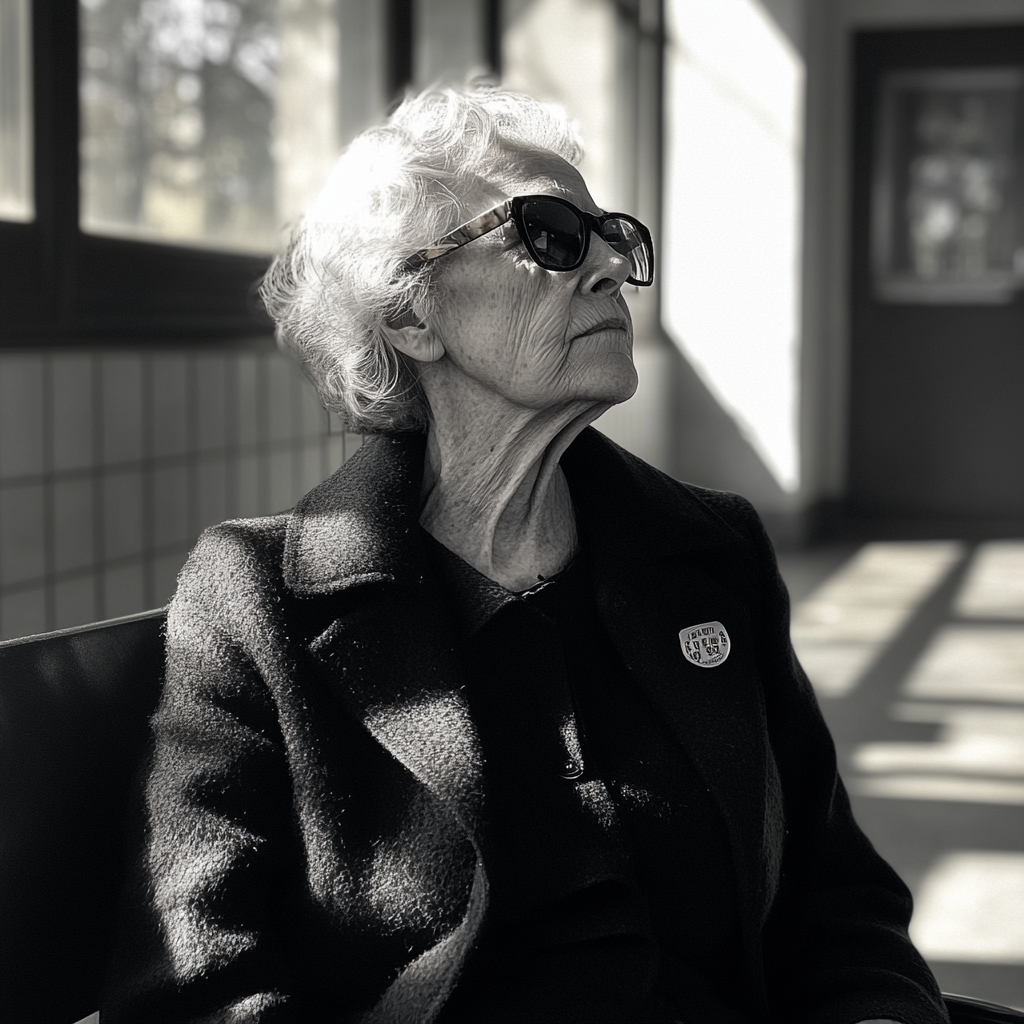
(165, 143)
(946, 203)
(15, 112)
(152, 150)
(213, 122)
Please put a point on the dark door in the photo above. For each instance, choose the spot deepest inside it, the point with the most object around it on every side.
(937, 346)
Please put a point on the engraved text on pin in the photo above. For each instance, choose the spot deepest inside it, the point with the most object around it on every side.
(706, 645)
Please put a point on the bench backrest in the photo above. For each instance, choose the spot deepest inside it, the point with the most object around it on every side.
(74, 728)
(74, 731)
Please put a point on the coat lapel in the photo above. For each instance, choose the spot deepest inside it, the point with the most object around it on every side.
(389, 656)
(390, 659)
(662, 563)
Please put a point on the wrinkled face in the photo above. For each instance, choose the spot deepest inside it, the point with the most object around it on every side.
(538, 338)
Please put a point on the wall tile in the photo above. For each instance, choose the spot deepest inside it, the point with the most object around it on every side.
(121, 381)
(211, 402)
(22, 533)
(299, 388)
(335, 452)
(21, 414)
(211, 498)
(282, 488)
(169, 409)
(123, 590)
(231, 485)
(353, 442)
(122, 507)
(170, 505)
(153, 408)
(247, 399)
(279, 398)
(76, 602)
(165, 575)
(72, 524)
(73, 412)
(314, 416)
(248, 470)
(22, 613)
(312, 465)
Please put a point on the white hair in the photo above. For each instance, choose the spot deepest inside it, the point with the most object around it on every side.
(396, 189)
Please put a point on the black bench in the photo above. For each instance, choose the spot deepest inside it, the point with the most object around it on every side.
(74, 711)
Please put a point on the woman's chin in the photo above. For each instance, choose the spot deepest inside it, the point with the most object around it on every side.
(614, 378)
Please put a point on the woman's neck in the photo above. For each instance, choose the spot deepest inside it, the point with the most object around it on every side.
(493, 490)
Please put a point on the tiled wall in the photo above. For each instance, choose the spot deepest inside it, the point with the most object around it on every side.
(111, 463)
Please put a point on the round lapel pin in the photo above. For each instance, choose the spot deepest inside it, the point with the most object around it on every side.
(706, 645)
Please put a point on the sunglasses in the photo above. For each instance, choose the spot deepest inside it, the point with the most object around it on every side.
(556, 235)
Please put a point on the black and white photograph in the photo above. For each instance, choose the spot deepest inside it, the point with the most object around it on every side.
(512, 511)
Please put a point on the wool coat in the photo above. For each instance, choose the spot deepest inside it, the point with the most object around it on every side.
(314, 801)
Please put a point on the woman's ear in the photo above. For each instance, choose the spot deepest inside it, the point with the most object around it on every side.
(417, 341)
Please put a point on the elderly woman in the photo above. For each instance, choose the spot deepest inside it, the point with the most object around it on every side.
(498, 724)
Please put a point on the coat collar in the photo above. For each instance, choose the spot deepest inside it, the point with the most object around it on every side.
(361, 524)
(663, 560)
(631, 515)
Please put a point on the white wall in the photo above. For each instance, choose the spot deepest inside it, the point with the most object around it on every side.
(731, 253)
(568, 52)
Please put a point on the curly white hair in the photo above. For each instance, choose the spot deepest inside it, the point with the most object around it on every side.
(396, 188)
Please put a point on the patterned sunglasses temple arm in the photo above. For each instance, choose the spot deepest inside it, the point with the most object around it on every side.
(461, 235)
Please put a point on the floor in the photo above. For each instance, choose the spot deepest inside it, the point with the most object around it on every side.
(916, 652)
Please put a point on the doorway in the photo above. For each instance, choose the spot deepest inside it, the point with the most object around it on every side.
(936, 428)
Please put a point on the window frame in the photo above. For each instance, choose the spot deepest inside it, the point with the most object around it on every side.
(62, 287)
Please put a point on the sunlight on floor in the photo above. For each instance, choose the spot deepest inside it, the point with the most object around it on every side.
(978, 757)
(974, 739)
(971, 663)
(842, 627)
(977, 754)
(963, 705)
(970, 908)
(995, 585)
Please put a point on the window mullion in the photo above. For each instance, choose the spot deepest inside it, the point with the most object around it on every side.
(55, 90)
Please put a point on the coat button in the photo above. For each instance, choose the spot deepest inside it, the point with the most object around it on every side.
(571, 768)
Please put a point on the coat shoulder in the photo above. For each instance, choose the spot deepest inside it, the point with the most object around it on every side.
(726, 508)
(234, 564)
(733, 509)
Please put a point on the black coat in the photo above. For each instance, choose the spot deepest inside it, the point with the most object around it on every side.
(315, 795)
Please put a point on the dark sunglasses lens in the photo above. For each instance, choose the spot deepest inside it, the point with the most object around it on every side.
(555, 234)
(624, 237)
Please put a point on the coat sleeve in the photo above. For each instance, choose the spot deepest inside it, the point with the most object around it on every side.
(198, 939)
(836, 947)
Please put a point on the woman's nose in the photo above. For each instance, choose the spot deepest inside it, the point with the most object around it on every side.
(605, 270)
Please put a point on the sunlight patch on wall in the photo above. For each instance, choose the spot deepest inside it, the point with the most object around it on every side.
(563, 51)
(16, 200)
(731, 251)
